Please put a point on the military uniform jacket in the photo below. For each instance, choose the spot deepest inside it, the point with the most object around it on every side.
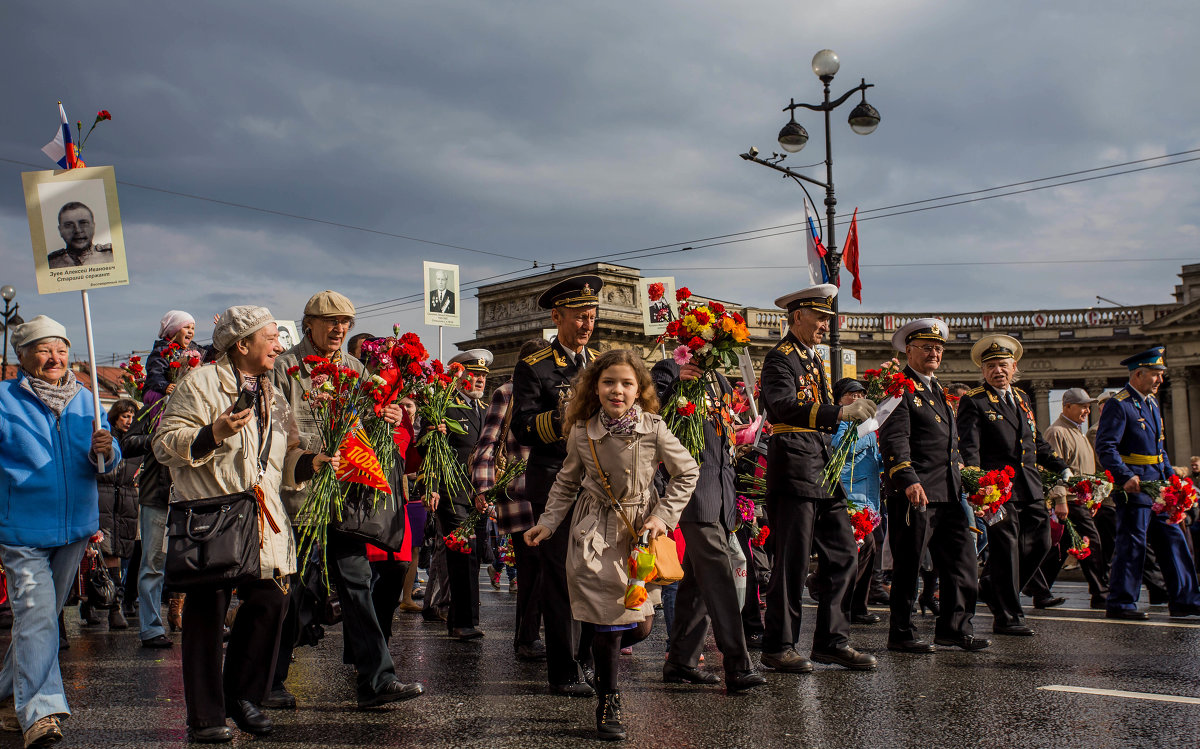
(798, 401)
(540, 383)
(919, 442)
(97, 254)
(992, 435)
(715, 497)
(471, 420)
(1130, 442)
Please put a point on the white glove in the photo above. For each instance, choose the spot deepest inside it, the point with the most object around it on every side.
(1066, 474)
(860, 410)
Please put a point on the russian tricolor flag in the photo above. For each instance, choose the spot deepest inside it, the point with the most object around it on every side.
(62, 148)
(817, 272)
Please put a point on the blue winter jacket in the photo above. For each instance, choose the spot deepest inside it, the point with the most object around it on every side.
(48, 493)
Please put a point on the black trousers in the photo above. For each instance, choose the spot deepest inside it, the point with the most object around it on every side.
(707, 594)
(1017, 544)
(1094, 570)
(562, 632)
(528, 627)
(387, 590)
(942, 530)
(249, 657)
(462, 572)
(364, 645)
(798, 526)
(868, 559)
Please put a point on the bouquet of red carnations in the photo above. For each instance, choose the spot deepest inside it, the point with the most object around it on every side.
(434, 393)
(133, 377)
(396, 363)
(1079, 546)
(864, 520)
(1089, 491)
(1171, 498)
(334, 394)
(180, 360)
(988, 490)
(708, 336)
(883, 384)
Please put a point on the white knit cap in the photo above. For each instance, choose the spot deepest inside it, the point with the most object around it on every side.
(173, 322)
(35, 330)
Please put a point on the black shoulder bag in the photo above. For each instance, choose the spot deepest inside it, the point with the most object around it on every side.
(215, 541)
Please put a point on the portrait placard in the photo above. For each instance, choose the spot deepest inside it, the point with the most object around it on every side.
(289, 334)
(656, 298)
(441, 295)
(75, 229)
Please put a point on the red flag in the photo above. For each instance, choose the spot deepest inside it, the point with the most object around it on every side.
(359, 463)
(850, 257)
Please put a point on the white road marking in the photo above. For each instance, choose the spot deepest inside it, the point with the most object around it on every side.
(1122, 693)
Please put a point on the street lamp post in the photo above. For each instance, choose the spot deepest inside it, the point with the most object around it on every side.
(11, 318)
(863, 120)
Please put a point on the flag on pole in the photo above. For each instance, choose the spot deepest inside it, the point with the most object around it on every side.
(850, 257)
(817, 272)
(62, 149)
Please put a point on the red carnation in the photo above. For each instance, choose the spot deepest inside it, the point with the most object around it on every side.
(739, 319)
(194, 361)
(696, 343)
(702, 317)
(716, 307)
(293, 371)
(687, 410)
(682, 294)
(103, 114)
(656, 291)
(313, 359)
(175, 365)
(414, 369)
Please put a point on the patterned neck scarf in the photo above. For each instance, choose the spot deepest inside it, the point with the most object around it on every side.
(55, 395)
(623, 426)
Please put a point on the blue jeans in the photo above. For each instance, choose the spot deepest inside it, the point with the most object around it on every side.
(39, 581)
(153, 523)
(669, 592)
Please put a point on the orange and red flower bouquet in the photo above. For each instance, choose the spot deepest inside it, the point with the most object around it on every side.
(988, 490)
(708, 336)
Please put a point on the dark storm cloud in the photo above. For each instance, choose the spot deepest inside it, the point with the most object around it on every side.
(554, 131)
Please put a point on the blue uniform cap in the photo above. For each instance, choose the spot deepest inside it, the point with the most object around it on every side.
(1150, 359)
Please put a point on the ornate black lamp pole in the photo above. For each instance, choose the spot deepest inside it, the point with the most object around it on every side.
(11, 318)
(863, 119)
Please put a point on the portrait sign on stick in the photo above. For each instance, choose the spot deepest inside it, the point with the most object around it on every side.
(656, 299)
(75, 229)
(441, 295)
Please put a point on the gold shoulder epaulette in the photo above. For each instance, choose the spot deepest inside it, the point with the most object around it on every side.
(975, 391)
(538, 355)
(1121, 395)
(785, 348)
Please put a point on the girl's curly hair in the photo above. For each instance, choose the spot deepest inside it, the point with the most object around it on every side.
(583, 399)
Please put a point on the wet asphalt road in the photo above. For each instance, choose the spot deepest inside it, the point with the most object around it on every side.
(479, 695)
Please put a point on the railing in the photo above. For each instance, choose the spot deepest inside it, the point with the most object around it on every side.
(967, 321)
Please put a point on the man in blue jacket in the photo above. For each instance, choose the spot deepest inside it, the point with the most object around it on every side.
(50, 453)
(1130, 444)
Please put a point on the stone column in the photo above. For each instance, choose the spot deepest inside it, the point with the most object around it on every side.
(1180, 427)
(1095, 386)
(1041, 394)
(1194, 397)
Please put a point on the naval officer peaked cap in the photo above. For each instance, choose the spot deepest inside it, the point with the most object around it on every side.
(576, 291)
(474, 360)
(923, 329)
(819, 298)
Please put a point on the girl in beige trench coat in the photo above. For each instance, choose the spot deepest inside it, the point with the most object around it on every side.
(614, 407)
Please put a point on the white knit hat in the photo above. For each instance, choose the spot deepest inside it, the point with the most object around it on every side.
(35, 330)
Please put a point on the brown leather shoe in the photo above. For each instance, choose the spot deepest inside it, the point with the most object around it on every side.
(787, 661)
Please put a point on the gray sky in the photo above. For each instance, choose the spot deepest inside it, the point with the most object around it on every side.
(554, 131)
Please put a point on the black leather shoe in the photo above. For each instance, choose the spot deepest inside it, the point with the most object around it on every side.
(675, 673)
(393, 691)
(572, 689)
(1099, 602)
(966, 642)
(532, 651)
(1014, 630)
(608, 718)
(158, 641)
(911, 646)
(249, 718)
(211, 735)
(846, 657)
(1178, 612)
(433, 615)
(466, 633)
(1048, 603)
(743, 681)
(754, 641)
(1132, 615)
(867, 618)
(788, 661)
(280, 699)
